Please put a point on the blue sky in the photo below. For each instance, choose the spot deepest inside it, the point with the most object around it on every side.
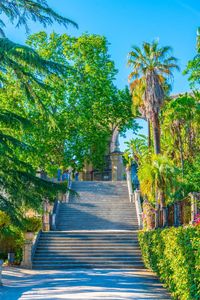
(130, 22)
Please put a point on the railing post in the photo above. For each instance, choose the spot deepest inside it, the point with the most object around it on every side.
(129, 183)
(68, 191)
(53, 220)
(138, 208)
(45, 218)
(27, 254)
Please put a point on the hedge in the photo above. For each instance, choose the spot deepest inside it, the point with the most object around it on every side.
(174, 254)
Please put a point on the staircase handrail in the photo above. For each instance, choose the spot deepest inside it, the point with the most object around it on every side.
(138, 207)
(134, 196)
(57, 204)
(54, 214)
(69, 185)
(129, 183)
(35, 242)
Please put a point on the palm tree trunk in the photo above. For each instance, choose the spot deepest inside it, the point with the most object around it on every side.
(156, 133)
(181, 151)
(157, 211)
(149, 134)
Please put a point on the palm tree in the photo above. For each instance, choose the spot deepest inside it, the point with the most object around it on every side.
(157, 177)
(152, 70)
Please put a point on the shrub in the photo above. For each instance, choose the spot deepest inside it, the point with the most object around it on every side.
(174, 254)
(32, 224)
(4, 219)
(11, 240)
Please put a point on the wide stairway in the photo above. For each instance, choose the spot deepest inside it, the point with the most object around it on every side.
(97, 228)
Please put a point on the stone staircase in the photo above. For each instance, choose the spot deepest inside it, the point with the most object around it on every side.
(96, 229)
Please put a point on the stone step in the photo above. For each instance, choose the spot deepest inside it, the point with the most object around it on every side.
(77, 227)
(86, 249)
(87, 266)
(86, 227)
(89, 259)
(97, 213)
(91, 249)
(85, 255)
(89, 240)
(91, 233)
(77, 206)
(86, 246)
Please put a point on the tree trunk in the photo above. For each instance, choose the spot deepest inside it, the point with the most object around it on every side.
(181, 150)
(149, 133)
(156, 133)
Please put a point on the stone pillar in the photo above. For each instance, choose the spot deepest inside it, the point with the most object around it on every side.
(27, 254)
(81, 176)
(45, 222)
(117, 166)
(45, 217)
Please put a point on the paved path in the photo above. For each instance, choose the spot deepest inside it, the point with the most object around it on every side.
(80, 284)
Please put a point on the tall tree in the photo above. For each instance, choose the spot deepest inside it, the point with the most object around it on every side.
(193, 66)
(87, 101)
(152, 68)
(18, 184)
(21, 11)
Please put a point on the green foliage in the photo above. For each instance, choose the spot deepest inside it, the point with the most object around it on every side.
(174, 254)
(4, 220)
(87, 106)
(192, 175)
(22, 75)
(136, 149)
(181, 139)
(193, 66)
(21, 11)
(152, 68)
(157, 175)
(180, 128)
(11, 240)
(32, 224)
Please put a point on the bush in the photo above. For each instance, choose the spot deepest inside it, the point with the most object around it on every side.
(174, 254)
(32, 224)
(4, 219)
(11, 240)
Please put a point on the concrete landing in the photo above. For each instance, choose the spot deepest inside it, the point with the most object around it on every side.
(81, 284)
